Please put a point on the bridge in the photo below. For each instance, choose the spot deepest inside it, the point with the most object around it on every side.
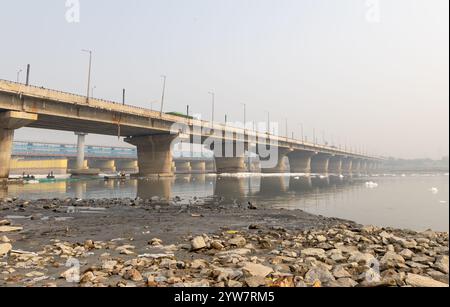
(153, 134)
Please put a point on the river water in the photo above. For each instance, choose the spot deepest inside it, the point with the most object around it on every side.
(413, 201)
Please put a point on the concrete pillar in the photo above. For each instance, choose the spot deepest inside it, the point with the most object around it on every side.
(6, 141)
(320, 163)
(363, 167)
(280, 166)
(210, 166)
(9, 121)
(80, 150)
(347, 164)
(198, 167)
(154, 154)
(300, 161)
(103, 165)
(230, 165)
(356, 166)
(129, 166)
(183, 167)
(335, 165)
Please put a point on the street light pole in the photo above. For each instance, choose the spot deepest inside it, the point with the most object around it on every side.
(245, 115)
(92, 91)
(89, 73)
(213, 102)
(301, 133)
(268, 122)
(18, 75)
(164, 77)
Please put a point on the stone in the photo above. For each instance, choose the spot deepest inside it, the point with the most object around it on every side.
(319, 274)
(217, 245)
(321, 238)
(341, 272)
(238, 241)
(133, 275)
(359, 257)
(406, 254)
(234, 284)
(346, 283)
(238, 251)
(156, 242)
(198, 243)
(255, 269)
(391, 260)
(5, 249)
(10, 228)
(5, 239)
(255, 281)
(423, 282)
(5, 223)
(109, 265)
(313, 252)
(199, 264)
(442, 264)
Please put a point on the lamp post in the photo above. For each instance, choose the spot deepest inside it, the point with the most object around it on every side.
(92, 91)
(164, 77)
(89, 73)
(301, 133)
(245, 115)
(213, 102)
(18, 75)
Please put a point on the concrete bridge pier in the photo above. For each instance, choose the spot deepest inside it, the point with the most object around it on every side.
(9, 121)
(300, 161)
(347, 165)
(126, 166)
(335, 165)
(363, 167)
(280, 166)
(230, 158)
(154, 154)
(183, 167)
(320, 163)
(356, 166)
(102, 165)
(198, 167)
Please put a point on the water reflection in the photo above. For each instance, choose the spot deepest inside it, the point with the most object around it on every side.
(397, 201)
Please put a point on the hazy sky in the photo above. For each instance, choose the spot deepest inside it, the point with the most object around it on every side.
(373, 78)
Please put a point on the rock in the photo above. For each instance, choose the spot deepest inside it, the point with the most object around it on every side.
(5, 223)
(5, 249)
(10, 228)
(442, 264)
(87, 277)
(89, 244)
(364, 258)
(341, 272)
(5, 239)
(71, 275)
(217, 245)
(422, 281)
(430, 234)
(109, 265)
(133, 275)
(255, 281)
(155, 242)
(346, 283)
(238, 251)
(423, 259)
(234, 284)
(199, 264)
(391, 260)
(368, 229)
(255, 269)
(318, 274)
(198, 243)
(321, 238)
(313, 252)
(406, 254)
(238, 241)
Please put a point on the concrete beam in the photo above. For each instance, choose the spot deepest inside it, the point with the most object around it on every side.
(14, 120)
(183, 167)
(154, 154)
(300, 161)
(102, 165)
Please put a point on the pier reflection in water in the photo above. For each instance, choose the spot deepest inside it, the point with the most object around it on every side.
(397, 201)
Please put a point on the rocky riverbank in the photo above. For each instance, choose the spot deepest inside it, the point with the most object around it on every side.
(95, 243)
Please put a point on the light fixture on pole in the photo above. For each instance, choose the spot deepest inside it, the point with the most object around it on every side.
(164, 77)
(89, 74)
(18, 75)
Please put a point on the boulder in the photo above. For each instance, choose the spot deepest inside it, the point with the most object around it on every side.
(238, 241)
(391, 260)
(319, 274)
(423, 282)
(313, 252)
(442, 264)
(198, 243)
(255, 269)
(5, 249)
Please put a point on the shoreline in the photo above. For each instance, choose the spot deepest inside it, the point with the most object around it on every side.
(127, 242)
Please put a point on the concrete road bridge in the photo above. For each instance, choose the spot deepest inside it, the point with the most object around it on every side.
(153, 133)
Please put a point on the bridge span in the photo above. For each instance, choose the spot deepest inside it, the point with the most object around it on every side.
(153, 133)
